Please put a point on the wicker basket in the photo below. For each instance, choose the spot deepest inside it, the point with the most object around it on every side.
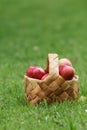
(53, 88)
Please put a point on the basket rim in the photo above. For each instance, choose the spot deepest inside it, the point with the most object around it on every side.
(76, 78)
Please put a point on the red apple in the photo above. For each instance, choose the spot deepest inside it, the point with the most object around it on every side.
(65, 61)
(29, 71)
(61, 68)
(67, 72)
(44, 76)
(35, 72)
(38, 72)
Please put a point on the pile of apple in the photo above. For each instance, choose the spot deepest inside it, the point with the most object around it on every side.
(66, 70)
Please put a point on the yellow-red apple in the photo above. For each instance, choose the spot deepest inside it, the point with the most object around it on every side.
(65, 61)
(67, 72)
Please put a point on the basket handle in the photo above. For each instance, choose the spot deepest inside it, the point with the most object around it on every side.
(52, 64)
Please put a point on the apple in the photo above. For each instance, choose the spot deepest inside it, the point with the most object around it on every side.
(65, 61)
(44, 76)
(61, 68)
(35, 72)
(29, 71)
(67, 72)
(38, 72)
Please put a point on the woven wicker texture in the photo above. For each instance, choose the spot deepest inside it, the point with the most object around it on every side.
(53, 88)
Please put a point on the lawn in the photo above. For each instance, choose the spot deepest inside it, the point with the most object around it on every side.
(29, 30)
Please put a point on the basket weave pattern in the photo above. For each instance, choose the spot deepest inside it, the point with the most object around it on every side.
(53, 88)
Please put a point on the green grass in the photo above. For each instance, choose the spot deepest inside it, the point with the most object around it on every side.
(29, 30)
